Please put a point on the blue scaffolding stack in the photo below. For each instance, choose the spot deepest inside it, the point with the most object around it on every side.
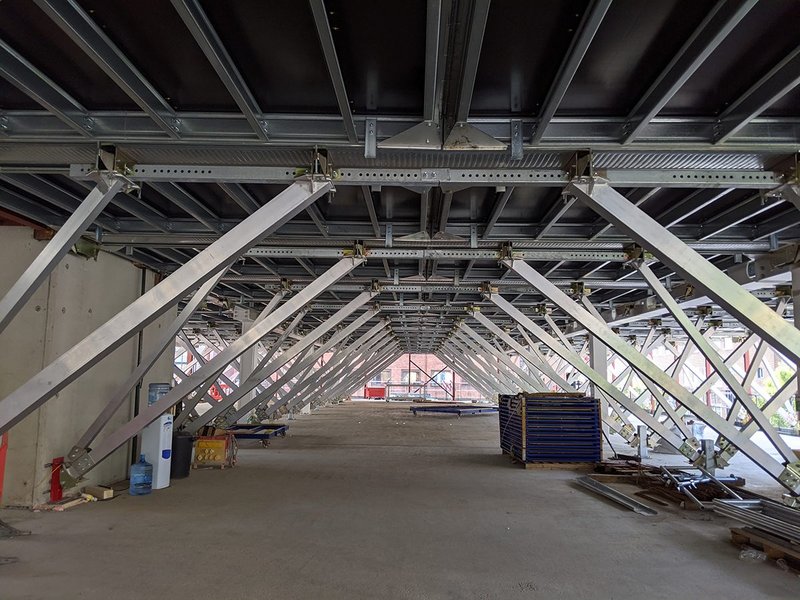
(551, 428)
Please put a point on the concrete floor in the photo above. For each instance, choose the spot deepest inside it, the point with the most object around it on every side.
(365, 501)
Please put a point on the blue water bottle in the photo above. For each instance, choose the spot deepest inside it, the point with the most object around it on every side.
(141, 478)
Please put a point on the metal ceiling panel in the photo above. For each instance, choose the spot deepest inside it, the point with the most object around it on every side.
(275, 46)
(765, 36)
(635, 43)
(155, 39)
(31, 33)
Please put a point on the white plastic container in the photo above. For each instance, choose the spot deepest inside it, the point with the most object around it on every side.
(157, 449)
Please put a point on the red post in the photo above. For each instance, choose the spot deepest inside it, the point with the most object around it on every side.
(56, 491)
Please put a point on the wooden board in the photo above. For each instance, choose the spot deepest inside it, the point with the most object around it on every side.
(772, 546)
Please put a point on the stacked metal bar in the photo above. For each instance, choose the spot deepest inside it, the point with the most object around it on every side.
(551, 428)
(771, 517)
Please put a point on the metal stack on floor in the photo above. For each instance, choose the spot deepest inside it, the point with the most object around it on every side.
(551, 428)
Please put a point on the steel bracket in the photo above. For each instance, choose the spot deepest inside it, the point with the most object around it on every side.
(628, 433)
(790, 477)
(725, 453)
(689, 448)
(80, 465)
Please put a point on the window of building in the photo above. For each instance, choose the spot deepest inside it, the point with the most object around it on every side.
(412, 376)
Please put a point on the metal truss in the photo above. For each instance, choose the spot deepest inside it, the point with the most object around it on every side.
(783, 472)
(262, 373)
(320, 376)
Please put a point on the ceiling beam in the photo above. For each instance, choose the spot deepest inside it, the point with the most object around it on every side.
(499, 205)
(196, 20)
(39, 87)
(335, 71)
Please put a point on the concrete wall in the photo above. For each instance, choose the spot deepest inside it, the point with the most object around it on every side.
(79, 296)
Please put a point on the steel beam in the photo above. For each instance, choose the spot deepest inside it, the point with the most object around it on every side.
(774, 85)
(341, 367)
(577, 362)
(525, 377)
(303, 362)
(474, 382)
(145, 364)
(690, 265)
(83, 355)
(38, 86)
(535, 363)
(472, 55)
(335, 71)
(762, 458)
(58, 247)
(712, 356)
(262, 373)
(499, 204)
(451, 178)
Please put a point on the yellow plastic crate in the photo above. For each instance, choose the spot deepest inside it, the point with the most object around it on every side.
(214, 451)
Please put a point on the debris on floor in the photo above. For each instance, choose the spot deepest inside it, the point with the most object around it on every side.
(615, 495)
(65, 504)
(7, 531)
(7, 560)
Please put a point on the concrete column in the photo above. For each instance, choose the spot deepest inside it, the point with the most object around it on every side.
(77, 297)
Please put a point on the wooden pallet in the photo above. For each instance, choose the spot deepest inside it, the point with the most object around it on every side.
(583, 466)
(774, 547)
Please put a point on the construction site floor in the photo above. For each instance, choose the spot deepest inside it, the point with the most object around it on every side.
(364, 500)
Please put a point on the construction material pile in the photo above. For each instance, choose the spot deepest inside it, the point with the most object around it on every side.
(551, 428)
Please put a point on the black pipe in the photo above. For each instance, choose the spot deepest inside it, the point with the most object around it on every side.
(137, 394)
